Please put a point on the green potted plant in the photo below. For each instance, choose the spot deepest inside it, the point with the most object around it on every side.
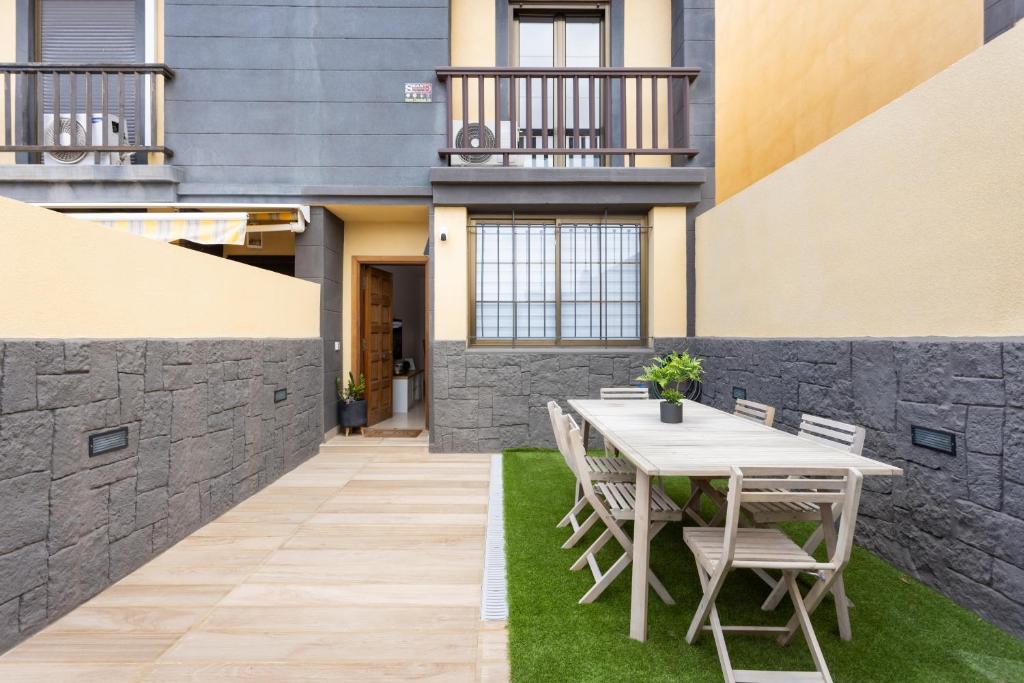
(352, 406)
(668, 373)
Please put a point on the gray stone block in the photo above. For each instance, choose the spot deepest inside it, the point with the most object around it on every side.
(924, 369)
(1013, 372)
(985, 479)
(151, 507)
(22, 570)
(130, 553)
(1013, 445)
(985, 429)
(977, 359)
(1013, 499)
(26, 443)
(78, 573)
(26, 509)
(76, 509)
(18, 382)
(9, 623)
(996, 533)
(158, 411)
(977, 391)
(1008, 579)
(32, 610)
(154, 462)
(875, 384)
(131, 356)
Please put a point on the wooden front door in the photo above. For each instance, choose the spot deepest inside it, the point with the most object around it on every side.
(376, 290)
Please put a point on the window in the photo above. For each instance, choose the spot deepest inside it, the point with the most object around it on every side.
(574, 281)
(558, 38)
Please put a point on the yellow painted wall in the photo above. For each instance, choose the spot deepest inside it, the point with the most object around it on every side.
(451, 274)
(64, 278)
(647, 42)
(908, 223)
(667, 273)
(374, 231)
(790, 74)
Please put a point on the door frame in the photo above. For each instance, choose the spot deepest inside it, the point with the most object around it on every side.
(355, 324)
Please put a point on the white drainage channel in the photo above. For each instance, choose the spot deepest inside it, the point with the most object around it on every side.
(494, 601)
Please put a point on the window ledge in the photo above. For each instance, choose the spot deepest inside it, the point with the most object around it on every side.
(571, 350)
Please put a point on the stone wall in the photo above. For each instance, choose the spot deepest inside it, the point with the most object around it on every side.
(203, 434)
(955, 523)
(488, 399)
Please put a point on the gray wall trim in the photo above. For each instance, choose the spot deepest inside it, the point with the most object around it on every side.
(307, 194)
(204, 434)
(950, 521)
(318, 254)
(137, 183)
(1001, 16)
(551, 189)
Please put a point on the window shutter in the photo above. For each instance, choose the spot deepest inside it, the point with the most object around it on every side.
(90, 31)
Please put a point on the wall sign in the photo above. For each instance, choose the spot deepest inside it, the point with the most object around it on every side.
(419, 92)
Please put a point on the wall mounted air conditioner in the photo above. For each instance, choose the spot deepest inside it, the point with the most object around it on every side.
(472, 136)
(63, 131)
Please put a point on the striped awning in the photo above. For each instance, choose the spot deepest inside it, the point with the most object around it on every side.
(199, 227)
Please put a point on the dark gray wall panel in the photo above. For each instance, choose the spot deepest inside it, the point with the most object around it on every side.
(303, 93)
(944, 509)
(204, 433)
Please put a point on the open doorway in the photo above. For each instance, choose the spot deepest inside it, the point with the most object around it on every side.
(392, 349)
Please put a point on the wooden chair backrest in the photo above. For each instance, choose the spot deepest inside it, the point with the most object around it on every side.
(754, 411)
(578, 452)
(822, 486)
(845, 437)
(619, 393)
(561, 429)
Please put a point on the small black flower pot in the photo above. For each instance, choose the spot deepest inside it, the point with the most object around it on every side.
(671, 412)
(352, 414)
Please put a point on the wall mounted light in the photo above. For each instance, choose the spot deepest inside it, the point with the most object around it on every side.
(280, 395)
(108, 442)
(739, 392)
(444, 237)
(933, 439)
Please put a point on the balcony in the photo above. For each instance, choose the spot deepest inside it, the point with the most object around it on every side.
(107, 113)
(566, 117)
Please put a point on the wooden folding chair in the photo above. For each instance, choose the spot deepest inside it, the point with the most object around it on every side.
(616, 394)
(600, 469)
(717, 551)
(841, 436)
(614, 503)
(750, 410)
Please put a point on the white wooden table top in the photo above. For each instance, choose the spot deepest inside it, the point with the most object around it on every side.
(709, 442)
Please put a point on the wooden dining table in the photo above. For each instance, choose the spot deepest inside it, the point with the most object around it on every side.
(707, 444)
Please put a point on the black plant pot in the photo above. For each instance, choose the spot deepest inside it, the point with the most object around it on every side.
(352, 414)
(671, 412)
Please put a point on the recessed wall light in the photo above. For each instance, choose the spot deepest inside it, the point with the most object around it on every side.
(739, 392)
(933, 439)
(280, 395)
(107, 442)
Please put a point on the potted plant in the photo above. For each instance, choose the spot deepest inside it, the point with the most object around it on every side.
(352, 406)
(668, 373)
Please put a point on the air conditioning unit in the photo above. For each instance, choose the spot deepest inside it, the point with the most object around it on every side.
(77, 133)
(473, 135)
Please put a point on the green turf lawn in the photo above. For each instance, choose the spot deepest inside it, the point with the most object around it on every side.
(902, 630)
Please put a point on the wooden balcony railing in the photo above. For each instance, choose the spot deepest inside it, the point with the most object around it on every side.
(574, 117)
(62, 113)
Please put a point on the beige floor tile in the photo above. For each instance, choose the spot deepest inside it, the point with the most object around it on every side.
(89, 618)
(77, 648)
(283, 595)
(398, 519)
(129, 595)
(342, 619)
(69, 672)
(238, 672)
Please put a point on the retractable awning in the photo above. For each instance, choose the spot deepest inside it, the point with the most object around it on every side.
(202, 228)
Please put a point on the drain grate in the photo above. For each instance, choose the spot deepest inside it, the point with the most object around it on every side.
(494, 601)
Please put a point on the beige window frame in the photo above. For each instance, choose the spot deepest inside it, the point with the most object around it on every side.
(559, 12)
(557, 222)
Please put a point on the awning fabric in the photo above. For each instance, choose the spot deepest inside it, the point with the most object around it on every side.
(202, 228)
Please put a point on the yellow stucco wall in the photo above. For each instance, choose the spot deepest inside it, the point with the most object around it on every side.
(647, 43)
(451, 274)
(908, 223)
(64, 278)
(372, 231)
(8, 53)
(790, 74)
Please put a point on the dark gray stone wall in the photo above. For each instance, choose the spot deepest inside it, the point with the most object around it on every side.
(318, 252)
(486, 400)
(955, 523)
(277, 97)
(204, 433)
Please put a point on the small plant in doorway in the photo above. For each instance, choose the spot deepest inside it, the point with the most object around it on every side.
(352, 406)
(668, 373)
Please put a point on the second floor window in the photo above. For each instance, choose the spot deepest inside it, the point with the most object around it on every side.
(569, 281)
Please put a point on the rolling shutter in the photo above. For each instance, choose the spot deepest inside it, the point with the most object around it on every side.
(90, 31)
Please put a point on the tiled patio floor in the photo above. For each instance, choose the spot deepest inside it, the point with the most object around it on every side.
(362, 564)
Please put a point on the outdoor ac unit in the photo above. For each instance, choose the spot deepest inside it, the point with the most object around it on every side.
(77, 134)
(472, 135)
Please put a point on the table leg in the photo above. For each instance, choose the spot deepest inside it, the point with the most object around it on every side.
(586, 434)
(641, 557)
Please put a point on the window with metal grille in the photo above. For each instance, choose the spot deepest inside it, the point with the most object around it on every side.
(571, 281)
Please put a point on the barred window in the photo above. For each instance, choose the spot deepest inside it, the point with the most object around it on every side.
(558, 281)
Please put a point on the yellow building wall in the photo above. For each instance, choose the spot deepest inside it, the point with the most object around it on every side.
(8, 53)
(373, 232)
(908, 223)
(451, 274)
(789, 74)
(65, 278)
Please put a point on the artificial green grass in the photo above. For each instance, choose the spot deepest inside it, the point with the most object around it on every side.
(902, 630)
